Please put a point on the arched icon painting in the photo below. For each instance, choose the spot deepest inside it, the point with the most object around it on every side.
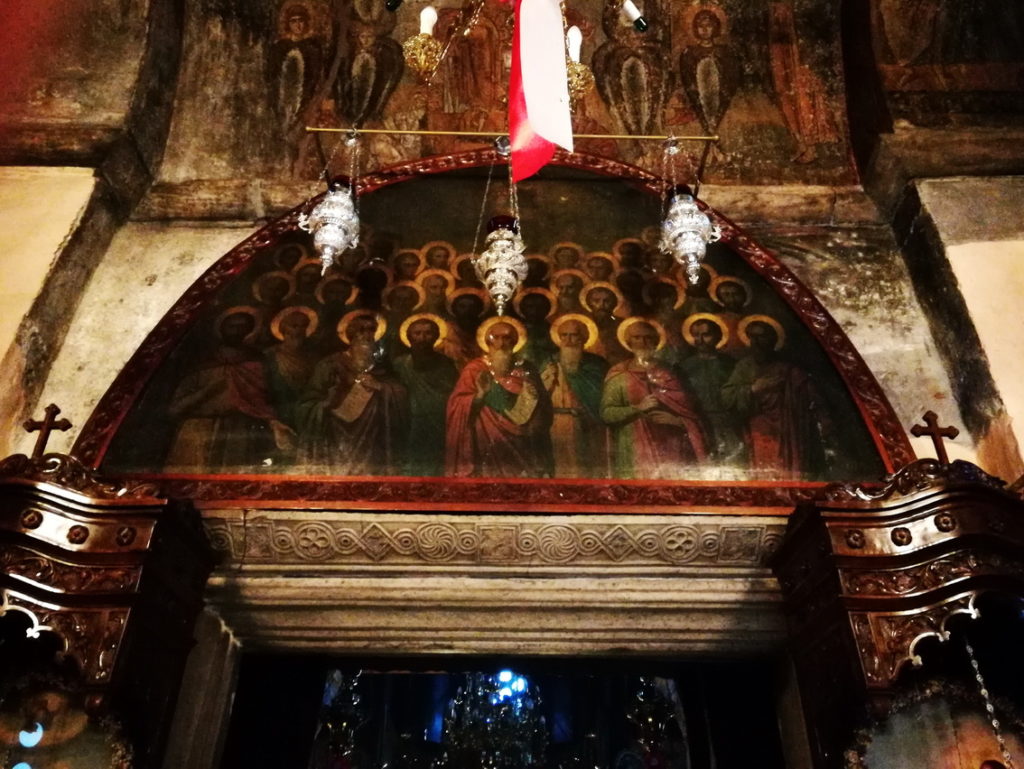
(606, 365)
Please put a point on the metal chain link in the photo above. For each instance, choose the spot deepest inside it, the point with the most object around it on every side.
(996, 729)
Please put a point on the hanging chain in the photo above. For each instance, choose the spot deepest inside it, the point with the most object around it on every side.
(996, 729)
(461, 30)
(352, 142)
(668, 172)
(483, 208)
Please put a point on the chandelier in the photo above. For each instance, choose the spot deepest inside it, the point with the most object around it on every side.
(494, 722)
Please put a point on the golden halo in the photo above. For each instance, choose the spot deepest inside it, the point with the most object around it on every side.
(518, 300)
(617, 247)
(240, 309)
(303, 254)
(584, 278)
(317, 22)
(720, 279)
(348, 317)
(780, 333)
(628, 323)
(453, 268)
(691, 13)
(418, 254)
(688, 328)
(306, 263)
(607, 287)
(543, 258)
(420, 293)
(275, 324)
(353, 288)
(286, 276)
(565, 244)
(592, 331)
(485, 298)
(603, 255)
(485, 327)
(645, 292)
(437, 320)
(429, 273)
(434, 244)
(650, 236)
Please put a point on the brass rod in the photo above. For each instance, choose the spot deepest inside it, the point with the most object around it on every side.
(495, 134)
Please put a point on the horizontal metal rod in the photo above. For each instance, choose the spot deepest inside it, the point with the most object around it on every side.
(495, 134)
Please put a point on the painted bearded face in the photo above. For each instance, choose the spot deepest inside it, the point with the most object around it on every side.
(642, 339)
(706, 335)
(423, 335)
(502, 337)
(572, 333)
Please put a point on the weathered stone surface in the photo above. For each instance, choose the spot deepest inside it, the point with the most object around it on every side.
(147, 267)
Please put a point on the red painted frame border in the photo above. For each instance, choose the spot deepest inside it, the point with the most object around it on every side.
(592, 495)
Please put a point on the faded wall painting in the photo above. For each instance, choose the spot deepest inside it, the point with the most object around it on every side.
(607, 366)
(77, 65)
(940, 61)
(765, 76)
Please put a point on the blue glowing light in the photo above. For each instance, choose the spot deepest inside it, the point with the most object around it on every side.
(30, 739)
(519, 685)
(505, 676)
(21, 765)
(504, 692)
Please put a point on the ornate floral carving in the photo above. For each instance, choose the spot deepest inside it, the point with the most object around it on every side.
(91, 636)
(886, 641)
(928, 576)
(486, 541)
(917, 476)
(64, 577)
(69, 473)
(882, 422)
(901, 536)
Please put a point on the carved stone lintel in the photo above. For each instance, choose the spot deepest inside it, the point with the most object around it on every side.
(512, 540)
(68, 473)
(886, 641)
(915, 477)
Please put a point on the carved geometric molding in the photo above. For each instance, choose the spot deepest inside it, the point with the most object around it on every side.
(282, 538)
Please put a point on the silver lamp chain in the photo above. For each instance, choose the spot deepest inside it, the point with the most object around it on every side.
(987, 697)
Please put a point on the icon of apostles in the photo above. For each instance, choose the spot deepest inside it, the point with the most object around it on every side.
(353, 415)
(574, 378)
(706, 371)
(785, 423)
(656, 429)
(499, 414)
(428, 377)
(225, 419)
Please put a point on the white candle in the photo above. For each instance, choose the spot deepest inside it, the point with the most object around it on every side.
(574, 40)
(631, 10)
(428, 18)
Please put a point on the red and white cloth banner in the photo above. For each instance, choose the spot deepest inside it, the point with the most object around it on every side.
(538, 101)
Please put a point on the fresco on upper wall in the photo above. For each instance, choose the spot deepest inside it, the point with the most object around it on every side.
(944, 62)
(79, 68)
(765, 76)
(607, 366)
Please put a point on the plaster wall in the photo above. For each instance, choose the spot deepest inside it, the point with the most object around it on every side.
(39, 209)
(147, 267)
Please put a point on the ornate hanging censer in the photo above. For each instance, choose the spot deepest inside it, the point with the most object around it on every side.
(334, 221)
(686, 231)
(502, 266)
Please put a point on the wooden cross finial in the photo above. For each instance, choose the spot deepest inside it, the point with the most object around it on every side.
(48, 424)
(932, 429)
